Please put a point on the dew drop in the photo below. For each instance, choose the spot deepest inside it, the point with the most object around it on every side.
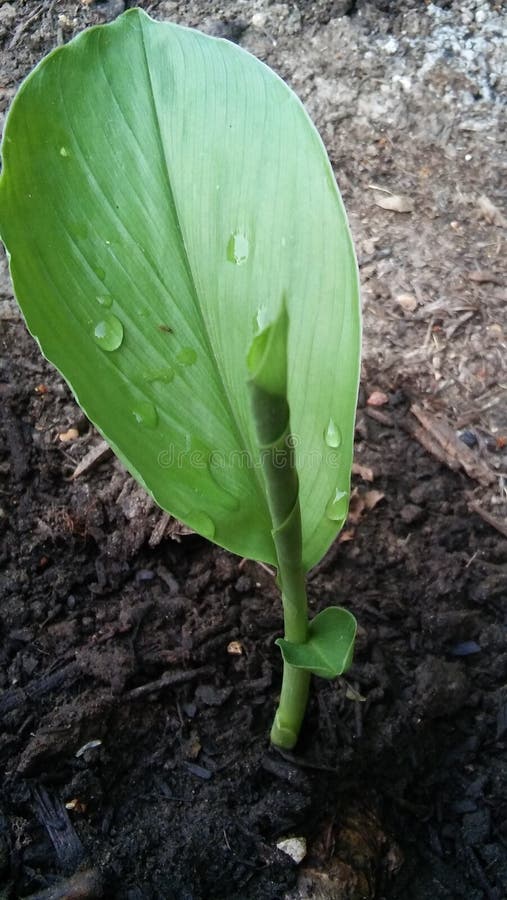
(100, 272)
(105, 300)
(145, 414)
(238, 248)
(187, 356)
(202, 523)
(262, 318)
(164, 375)
(64, 152)
(336, 509)
(333, 435)
(108, 333)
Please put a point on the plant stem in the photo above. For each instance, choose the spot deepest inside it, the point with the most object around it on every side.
(268, 388)
(296, 682)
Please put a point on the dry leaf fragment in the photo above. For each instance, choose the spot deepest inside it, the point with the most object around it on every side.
(371, 499)
(360, 503)
(395, 202)
(234, 648)
(70, 435)
(363, 472)
(377, 398)
(407, 302)
(490, 212)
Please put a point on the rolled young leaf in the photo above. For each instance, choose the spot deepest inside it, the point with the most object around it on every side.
(160, 190)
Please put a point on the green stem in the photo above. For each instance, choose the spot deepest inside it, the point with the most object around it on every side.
(296, 682)
(267, 361)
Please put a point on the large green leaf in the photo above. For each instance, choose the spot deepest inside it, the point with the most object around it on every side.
(161, 192)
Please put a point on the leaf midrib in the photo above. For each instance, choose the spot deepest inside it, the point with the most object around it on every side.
(243, 444)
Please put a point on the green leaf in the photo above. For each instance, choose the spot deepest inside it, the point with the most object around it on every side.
(267, 357)
(329, 649)
(161, 192)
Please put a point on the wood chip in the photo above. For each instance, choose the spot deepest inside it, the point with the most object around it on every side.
(94, 456)
(159, 530)
(176, 530)
(84, 885)
(399, 203)
(490, 212)
(483, 276)
(441, 440)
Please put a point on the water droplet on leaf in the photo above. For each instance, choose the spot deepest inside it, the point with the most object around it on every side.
(187, 356)
(262, 317)
(333, 435)
(105, 300)
(164, 375)
(100, 272)
(238, 248)
(336, 509)
(108, 333)
(146, 414)
(202, 523)
(64, 152)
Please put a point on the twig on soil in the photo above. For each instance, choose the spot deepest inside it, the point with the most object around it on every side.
(437, 436)
(487, 517)
(167, 679)
(383, 418)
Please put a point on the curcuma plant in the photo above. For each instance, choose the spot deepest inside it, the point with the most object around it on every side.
(180, 251)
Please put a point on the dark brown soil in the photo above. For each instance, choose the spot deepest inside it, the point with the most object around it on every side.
(134, 745)
(183, 797)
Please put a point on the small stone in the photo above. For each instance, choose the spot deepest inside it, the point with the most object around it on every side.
(66, 436)
(295, 847)
(258, 20)
(377, 398)
(407, 302)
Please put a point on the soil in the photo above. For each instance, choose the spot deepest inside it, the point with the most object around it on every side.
(138, 675)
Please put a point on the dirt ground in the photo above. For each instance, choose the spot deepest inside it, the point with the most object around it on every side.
(138, 675)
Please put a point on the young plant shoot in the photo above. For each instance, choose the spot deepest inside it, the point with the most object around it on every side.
(180, 251)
